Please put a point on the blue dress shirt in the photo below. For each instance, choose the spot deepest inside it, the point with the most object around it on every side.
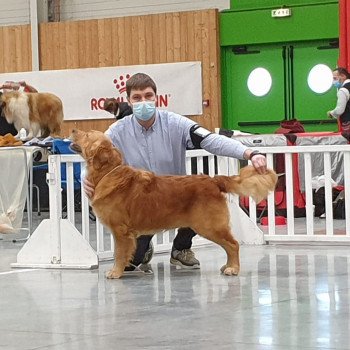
(162, 147)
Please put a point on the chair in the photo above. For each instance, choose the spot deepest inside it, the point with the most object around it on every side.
(59, 146)
(36, 168)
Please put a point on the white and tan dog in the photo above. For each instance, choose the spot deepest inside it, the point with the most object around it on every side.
(41, 114)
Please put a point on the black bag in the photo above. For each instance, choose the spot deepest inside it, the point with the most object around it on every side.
(319, 200)
(339, 206)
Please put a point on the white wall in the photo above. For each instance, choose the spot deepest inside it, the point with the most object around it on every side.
(13, 12)
(88, 9)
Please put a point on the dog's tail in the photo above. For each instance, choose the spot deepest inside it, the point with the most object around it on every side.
(56, 117)
(248, 183)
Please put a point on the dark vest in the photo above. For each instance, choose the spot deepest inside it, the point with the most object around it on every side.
(5, 127)
(345, 117)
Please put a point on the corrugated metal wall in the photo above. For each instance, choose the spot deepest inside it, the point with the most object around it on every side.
(16, 12)
(84, 9)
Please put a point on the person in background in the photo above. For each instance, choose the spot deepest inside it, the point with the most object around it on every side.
(17, 86)
(5, 127)
(341, 80)
(156, 140)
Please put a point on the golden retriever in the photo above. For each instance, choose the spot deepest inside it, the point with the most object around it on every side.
(41, 114)
(132, 202)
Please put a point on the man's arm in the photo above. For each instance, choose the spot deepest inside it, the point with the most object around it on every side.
(223, 146)
(27, 88)
(342, 100)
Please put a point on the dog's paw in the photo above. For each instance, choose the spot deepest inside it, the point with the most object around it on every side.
(113, 274)
(230, 271)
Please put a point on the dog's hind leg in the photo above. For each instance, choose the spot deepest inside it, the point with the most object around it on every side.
(223, 236)
(34, 130)
(55, 131)
(231, 247)
(124, 247)
(45, 132)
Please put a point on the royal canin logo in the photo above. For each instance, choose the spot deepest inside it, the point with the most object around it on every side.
(120, 84)
(96, 103)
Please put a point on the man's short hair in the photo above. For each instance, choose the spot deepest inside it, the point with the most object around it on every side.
(342, 70)
(140, 81)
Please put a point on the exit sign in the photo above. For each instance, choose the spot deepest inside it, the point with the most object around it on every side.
(281, 13)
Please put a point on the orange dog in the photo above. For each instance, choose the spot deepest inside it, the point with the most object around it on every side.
(41, 114)
(132, 202)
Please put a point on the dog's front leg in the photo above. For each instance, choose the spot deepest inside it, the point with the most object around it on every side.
(124, 247)
(34, 130)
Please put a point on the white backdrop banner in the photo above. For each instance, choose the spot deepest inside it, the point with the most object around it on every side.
(83, 91)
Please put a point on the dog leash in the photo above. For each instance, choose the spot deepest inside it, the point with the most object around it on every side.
(109, 172)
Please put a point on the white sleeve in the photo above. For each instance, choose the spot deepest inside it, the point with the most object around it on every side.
(343, 98)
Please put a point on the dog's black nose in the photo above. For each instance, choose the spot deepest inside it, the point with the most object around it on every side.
(73, 131)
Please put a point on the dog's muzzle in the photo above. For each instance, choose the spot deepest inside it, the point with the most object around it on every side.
(75, 148)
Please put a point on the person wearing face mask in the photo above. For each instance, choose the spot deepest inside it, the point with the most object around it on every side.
(341, 80)
(156, 140)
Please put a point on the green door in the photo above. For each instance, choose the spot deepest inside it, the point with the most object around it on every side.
(310, 106)
(289, 94)
(243, 110)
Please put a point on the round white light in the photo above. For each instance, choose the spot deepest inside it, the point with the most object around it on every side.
(259, 81)
(320, 78)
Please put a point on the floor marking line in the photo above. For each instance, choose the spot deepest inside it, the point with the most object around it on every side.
(17, 271)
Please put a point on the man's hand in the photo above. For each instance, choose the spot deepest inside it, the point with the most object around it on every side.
(89, 188)
(258, 161)
(329, 114)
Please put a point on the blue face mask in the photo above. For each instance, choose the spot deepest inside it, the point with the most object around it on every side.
(337, 84)
(144, 110)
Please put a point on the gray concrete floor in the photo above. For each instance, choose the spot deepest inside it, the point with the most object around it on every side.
(286, 297)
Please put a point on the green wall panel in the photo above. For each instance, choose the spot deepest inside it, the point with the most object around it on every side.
(255, 4)
(255, 27)
(243, 111)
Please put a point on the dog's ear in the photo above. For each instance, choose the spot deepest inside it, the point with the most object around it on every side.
(111, 105)
(108, 105)
(101, 157)
(117, 156)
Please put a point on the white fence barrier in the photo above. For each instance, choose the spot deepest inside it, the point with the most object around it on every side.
(81, 243)
(316, 230)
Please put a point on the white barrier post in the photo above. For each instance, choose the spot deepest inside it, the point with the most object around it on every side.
(56, 243)
(244, 229)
